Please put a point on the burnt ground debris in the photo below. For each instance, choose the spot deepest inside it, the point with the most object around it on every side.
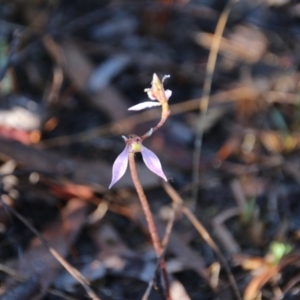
(69, 71)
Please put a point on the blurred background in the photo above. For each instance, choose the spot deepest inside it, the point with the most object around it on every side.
(69, 71)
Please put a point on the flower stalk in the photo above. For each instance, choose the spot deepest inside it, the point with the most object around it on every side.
(145, 204)
(150, 220)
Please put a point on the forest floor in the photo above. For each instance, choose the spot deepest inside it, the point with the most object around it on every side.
(229, 214)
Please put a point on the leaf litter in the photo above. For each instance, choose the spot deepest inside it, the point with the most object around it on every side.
(73, 72)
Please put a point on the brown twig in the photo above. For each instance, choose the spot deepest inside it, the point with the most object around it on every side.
(150, 221)
(75, 273)
(203, 233)
(128, 123)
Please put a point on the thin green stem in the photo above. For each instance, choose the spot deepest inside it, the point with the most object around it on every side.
(150, 220)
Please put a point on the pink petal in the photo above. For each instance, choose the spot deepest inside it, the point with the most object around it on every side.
(152, 162)
(144, 105)
(120, 166)
(168, 94)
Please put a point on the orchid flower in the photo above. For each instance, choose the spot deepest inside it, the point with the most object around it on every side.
(154, 94)
(134, 144)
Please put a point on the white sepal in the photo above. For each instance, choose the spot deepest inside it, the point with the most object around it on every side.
(144, 105)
